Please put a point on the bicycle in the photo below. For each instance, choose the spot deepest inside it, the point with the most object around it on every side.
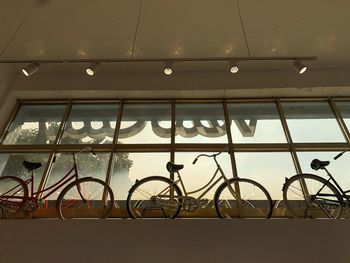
(158, 196)
(85, 197)
(311, 196)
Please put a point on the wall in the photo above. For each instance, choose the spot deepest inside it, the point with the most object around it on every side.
(206, 240)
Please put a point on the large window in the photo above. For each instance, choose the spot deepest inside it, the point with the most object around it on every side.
(265, 140)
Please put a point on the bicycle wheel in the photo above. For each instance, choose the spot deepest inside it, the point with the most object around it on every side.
(85, 198)
(242, 198)
(324, 200)
(154, 197)
(13, 196)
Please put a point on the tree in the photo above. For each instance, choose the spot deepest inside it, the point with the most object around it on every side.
(88, 164)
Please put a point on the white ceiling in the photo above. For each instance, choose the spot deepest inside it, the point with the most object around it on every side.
(80, 29)
(136, 29)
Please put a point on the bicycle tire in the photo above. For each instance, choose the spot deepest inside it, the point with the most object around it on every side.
(296, 203)
(240, 202)
(13, 196)
(70, 203)
(156, 204)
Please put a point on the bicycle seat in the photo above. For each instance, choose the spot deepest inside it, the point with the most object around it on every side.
(172, 168)
(31, 166)
(317, 164)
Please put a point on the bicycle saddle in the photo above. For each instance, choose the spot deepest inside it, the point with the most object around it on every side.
(317, 164)
(31, 166)
(172, 168)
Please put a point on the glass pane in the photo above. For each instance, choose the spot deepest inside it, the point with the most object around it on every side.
(91, 124)
(255, 123)
(312, 122)
(35, 124)
(199, 174)
(129, 167)
(145, 123)
(12, 165)
(200, 123)
(338, 168)
(268, 169)
(344, 108)
(88, 165)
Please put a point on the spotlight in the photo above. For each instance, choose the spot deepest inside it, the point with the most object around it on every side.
(234, 67)
(299, 67)
(92, 68)
(30, 69)
(167, 68)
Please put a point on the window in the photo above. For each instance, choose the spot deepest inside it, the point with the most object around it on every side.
(312, 122)
(140, 142)
(145, 123)
(255, 123)
(35, 124)
(200, 123)
(91, 124)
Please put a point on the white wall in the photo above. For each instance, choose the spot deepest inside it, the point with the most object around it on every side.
(199, 240)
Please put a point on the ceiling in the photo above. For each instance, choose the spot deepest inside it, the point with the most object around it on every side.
(141, 29)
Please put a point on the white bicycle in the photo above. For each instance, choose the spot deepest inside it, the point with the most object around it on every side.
(161, 197)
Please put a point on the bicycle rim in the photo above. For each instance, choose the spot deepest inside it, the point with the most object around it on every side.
(319, 200)
(85, 198)
(242, 198)
(154, 197)
(13, 194)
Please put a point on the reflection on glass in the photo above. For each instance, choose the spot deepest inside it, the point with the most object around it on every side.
(200, 123)
(145, 123)
(255, 123)
(268, 169)
(90, 124)
(312, 122)
(344, 108)
(338, 168)
(129, 167)
(12, 165)
(88, 165)
(199, 174)
(35, 124)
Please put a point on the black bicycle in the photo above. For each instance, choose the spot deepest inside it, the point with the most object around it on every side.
(311, 196)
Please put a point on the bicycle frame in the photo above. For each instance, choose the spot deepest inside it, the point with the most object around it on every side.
(73, 173)
(208, 186)
(343, 193)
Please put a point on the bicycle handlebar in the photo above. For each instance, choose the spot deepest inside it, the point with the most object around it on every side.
(205, 155)
(339, 155)
(86, 149)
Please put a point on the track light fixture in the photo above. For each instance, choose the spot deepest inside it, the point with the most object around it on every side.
(168, 68)
(168, 63)
(92, 68)
(299, 67)
(30, 69)
(233, 66)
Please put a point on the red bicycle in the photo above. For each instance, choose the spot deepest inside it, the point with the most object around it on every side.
(85, 197)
